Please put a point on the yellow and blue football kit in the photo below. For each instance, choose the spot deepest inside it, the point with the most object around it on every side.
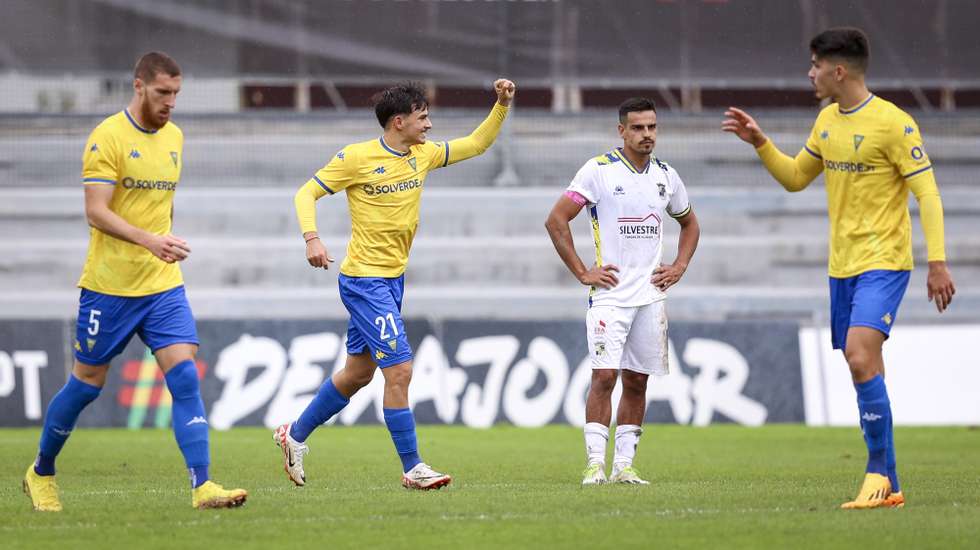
(127, 290)
(384, 190)
(143, 166)
(871, 157)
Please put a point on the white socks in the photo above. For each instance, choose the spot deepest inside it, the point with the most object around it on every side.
(627, 438)
(596, 437)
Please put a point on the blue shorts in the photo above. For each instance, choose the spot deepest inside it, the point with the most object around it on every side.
(870, 299)
(106, 323)
(375, 306)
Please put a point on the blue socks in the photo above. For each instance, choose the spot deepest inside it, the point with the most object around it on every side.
(60, 420)
(876, 422)
(890, 460)
(327, 402)
(401, 424)
(190, 421)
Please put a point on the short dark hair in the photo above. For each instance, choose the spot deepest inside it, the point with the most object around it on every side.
(401, 99)
(847, 43)
(151, 64)
(635, 104)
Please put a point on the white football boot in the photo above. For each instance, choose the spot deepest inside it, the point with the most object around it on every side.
(594, 474)
(292, 454)
(424, 478)
(626, 474)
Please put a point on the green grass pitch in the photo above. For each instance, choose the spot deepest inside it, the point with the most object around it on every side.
(722, 486)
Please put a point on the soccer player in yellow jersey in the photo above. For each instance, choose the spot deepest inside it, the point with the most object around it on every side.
(131, 283)
(871, 154)
(383, 179)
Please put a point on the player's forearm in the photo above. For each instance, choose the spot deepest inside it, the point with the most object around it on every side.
(794, 174)
(687, 242)
(480, 139)
(561, 237)
(930, 215)
(305, 203)
(105, 220)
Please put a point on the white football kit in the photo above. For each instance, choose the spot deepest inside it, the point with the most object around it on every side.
(627, 324)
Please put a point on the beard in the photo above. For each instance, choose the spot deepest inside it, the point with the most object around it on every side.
(152, 118)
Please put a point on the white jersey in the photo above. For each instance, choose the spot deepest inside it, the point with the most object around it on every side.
(628, 206)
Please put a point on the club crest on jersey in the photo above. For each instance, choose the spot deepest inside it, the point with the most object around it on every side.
(173, 157)
(663, 190)
(411, 162)
(858, 138)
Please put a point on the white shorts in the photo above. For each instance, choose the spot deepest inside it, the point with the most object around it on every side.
(631, 338)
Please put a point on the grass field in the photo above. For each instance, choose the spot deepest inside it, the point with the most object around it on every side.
(723, 486)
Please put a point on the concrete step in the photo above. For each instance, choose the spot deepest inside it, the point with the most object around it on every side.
(280, 262)
(449, 212)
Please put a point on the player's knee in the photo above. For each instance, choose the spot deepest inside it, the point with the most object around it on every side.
(361, 378)
(398, 376)
(860, 361)
(634, 384)
(603, 381)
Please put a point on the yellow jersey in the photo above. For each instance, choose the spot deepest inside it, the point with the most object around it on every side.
(869, 155)
(384, 191)
(143, 166)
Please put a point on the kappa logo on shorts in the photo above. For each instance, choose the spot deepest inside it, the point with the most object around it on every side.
(77, 346)
(379, 355)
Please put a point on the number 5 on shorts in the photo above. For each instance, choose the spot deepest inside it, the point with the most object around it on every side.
(93, 322)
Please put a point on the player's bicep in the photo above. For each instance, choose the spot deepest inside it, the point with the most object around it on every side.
(97, 198)
(567, 207)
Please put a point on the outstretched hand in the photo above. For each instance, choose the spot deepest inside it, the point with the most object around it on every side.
(744, 126)
(505, 91)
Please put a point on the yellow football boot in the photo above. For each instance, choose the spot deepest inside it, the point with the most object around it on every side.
(874, 493)
(212, 495)
(42, 490)
(895, 500)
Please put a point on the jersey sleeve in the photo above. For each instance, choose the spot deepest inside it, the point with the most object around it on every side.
(436, 154)
(101, 161)
(586, 182)
(904, 148)
(812, 145)
(339, 173)
(679, 205)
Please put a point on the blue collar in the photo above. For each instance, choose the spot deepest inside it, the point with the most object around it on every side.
(137, 126)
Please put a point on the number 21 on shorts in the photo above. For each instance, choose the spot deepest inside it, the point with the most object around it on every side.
(383, 322)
